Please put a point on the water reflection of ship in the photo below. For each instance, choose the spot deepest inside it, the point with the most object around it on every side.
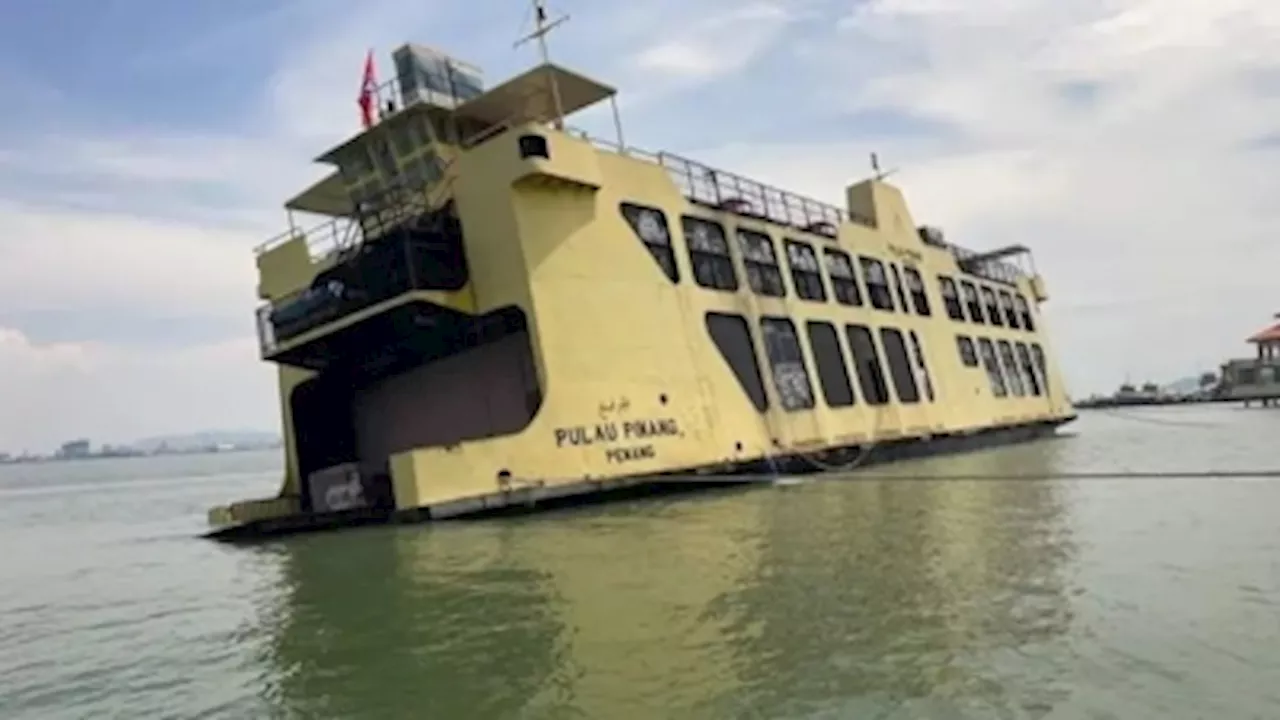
(748, 604)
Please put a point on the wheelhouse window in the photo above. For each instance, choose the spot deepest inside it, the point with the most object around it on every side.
(650, 225)
(877, 283)
(833, 373)
(709, 254)
(991, 306)
(1024, 310)
(969, 294)
(844, 283)
(988, 353)
(1006, 306)
(1010, 366)
(968, 354)
(1028, 369)
(761, 263)
(904, 378)
(806, 273)
(950, 297)
(866, 361)
(915, 288)
(922, 370)
(786, 361)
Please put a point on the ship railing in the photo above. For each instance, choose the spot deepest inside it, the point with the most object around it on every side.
(996, 270)
(327, 238)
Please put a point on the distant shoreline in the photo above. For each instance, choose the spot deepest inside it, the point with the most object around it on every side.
(120, 453)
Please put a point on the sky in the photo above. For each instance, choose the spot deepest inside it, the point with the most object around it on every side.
(148, 145)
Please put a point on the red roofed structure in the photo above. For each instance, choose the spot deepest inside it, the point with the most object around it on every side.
(1268, 342)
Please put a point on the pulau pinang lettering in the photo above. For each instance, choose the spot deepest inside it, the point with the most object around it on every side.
(609, 433)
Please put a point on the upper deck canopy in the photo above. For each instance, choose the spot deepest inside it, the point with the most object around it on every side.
(325, 197)
(527, 97)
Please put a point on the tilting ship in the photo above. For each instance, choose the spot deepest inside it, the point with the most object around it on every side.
(502, 311)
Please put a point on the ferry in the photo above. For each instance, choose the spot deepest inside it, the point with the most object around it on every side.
(500, 311)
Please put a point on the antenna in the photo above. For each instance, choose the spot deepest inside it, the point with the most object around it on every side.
(541, 28)
(876, 171)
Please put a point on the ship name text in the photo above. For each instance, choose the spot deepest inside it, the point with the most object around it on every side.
(623, 442)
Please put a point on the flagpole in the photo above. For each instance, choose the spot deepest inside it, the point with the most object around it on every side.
(541, 28)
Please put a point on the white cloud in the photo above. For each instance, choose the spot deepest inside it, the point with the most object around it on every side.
(1118, 138)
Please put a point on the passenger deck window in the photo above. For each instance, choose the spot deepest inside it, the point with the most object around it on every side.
(904, 379)
(922, 370)
(833, 373)
(877, 283)
(950, 297)
(970, 295)
(1037, 355)
(1011, 370)
(650, 225)
(786, 360)
(866, 361)
(732, 337)
(1025, 311)
(992, 366)
(806, 273)
(968, 354)
(896, 279)
(915, 286)
(1028, 369)
(761, 263)
(709, 254)
(844, 283)
(992, 307)
(1006, 305)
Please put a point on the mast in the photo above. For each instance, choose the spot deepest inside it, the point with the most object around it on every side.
(541, 28)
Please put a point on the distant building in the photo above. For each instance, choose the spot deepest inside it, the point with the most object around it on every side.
(74, 449)
(1256, 378)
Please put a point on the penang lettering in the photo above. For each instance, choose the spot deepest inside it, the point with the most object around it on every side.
(609, 433)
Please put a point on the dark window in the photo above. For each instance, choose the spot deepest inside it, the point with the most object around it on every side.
(968, 354)
(877, 283)
(866, 361)
(709, 254)
(991, 306)
(969, 294)
(650, 225)
(992, 365)
(806, 273)
(1037, 355)
(950, 297)
(1010, 366)
(732, 337)
(1028, 369)
(844, 283)
(761, 263)
(533, 146)
(1006, 305)
(833, 374)
(896, 279)
(915, 286)
(790, 376)
(1025, 311)
(895, 352)
(917, 354)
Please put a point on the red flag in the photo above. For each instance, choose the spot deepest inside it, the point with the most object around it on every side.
(368, 91)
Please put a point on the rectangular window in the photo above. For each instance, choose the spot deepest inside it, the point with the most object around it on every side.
(1024, 310)
(1010, 366)
(786, 360)
(992, 366)
(1037, 355)
(1028, 369)
(844, 283)
(833, 373)
(915, 286)
(1006, 305)
(761, 263)
(877, 283)
(950, 297)
(991, 306)
(896, 280)
(895, 352)
(806, 273)
(968, 354)
(732, 337)
(650, 225)
(866, 361)
(709, 254)
(922, 370)
(969, 294)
